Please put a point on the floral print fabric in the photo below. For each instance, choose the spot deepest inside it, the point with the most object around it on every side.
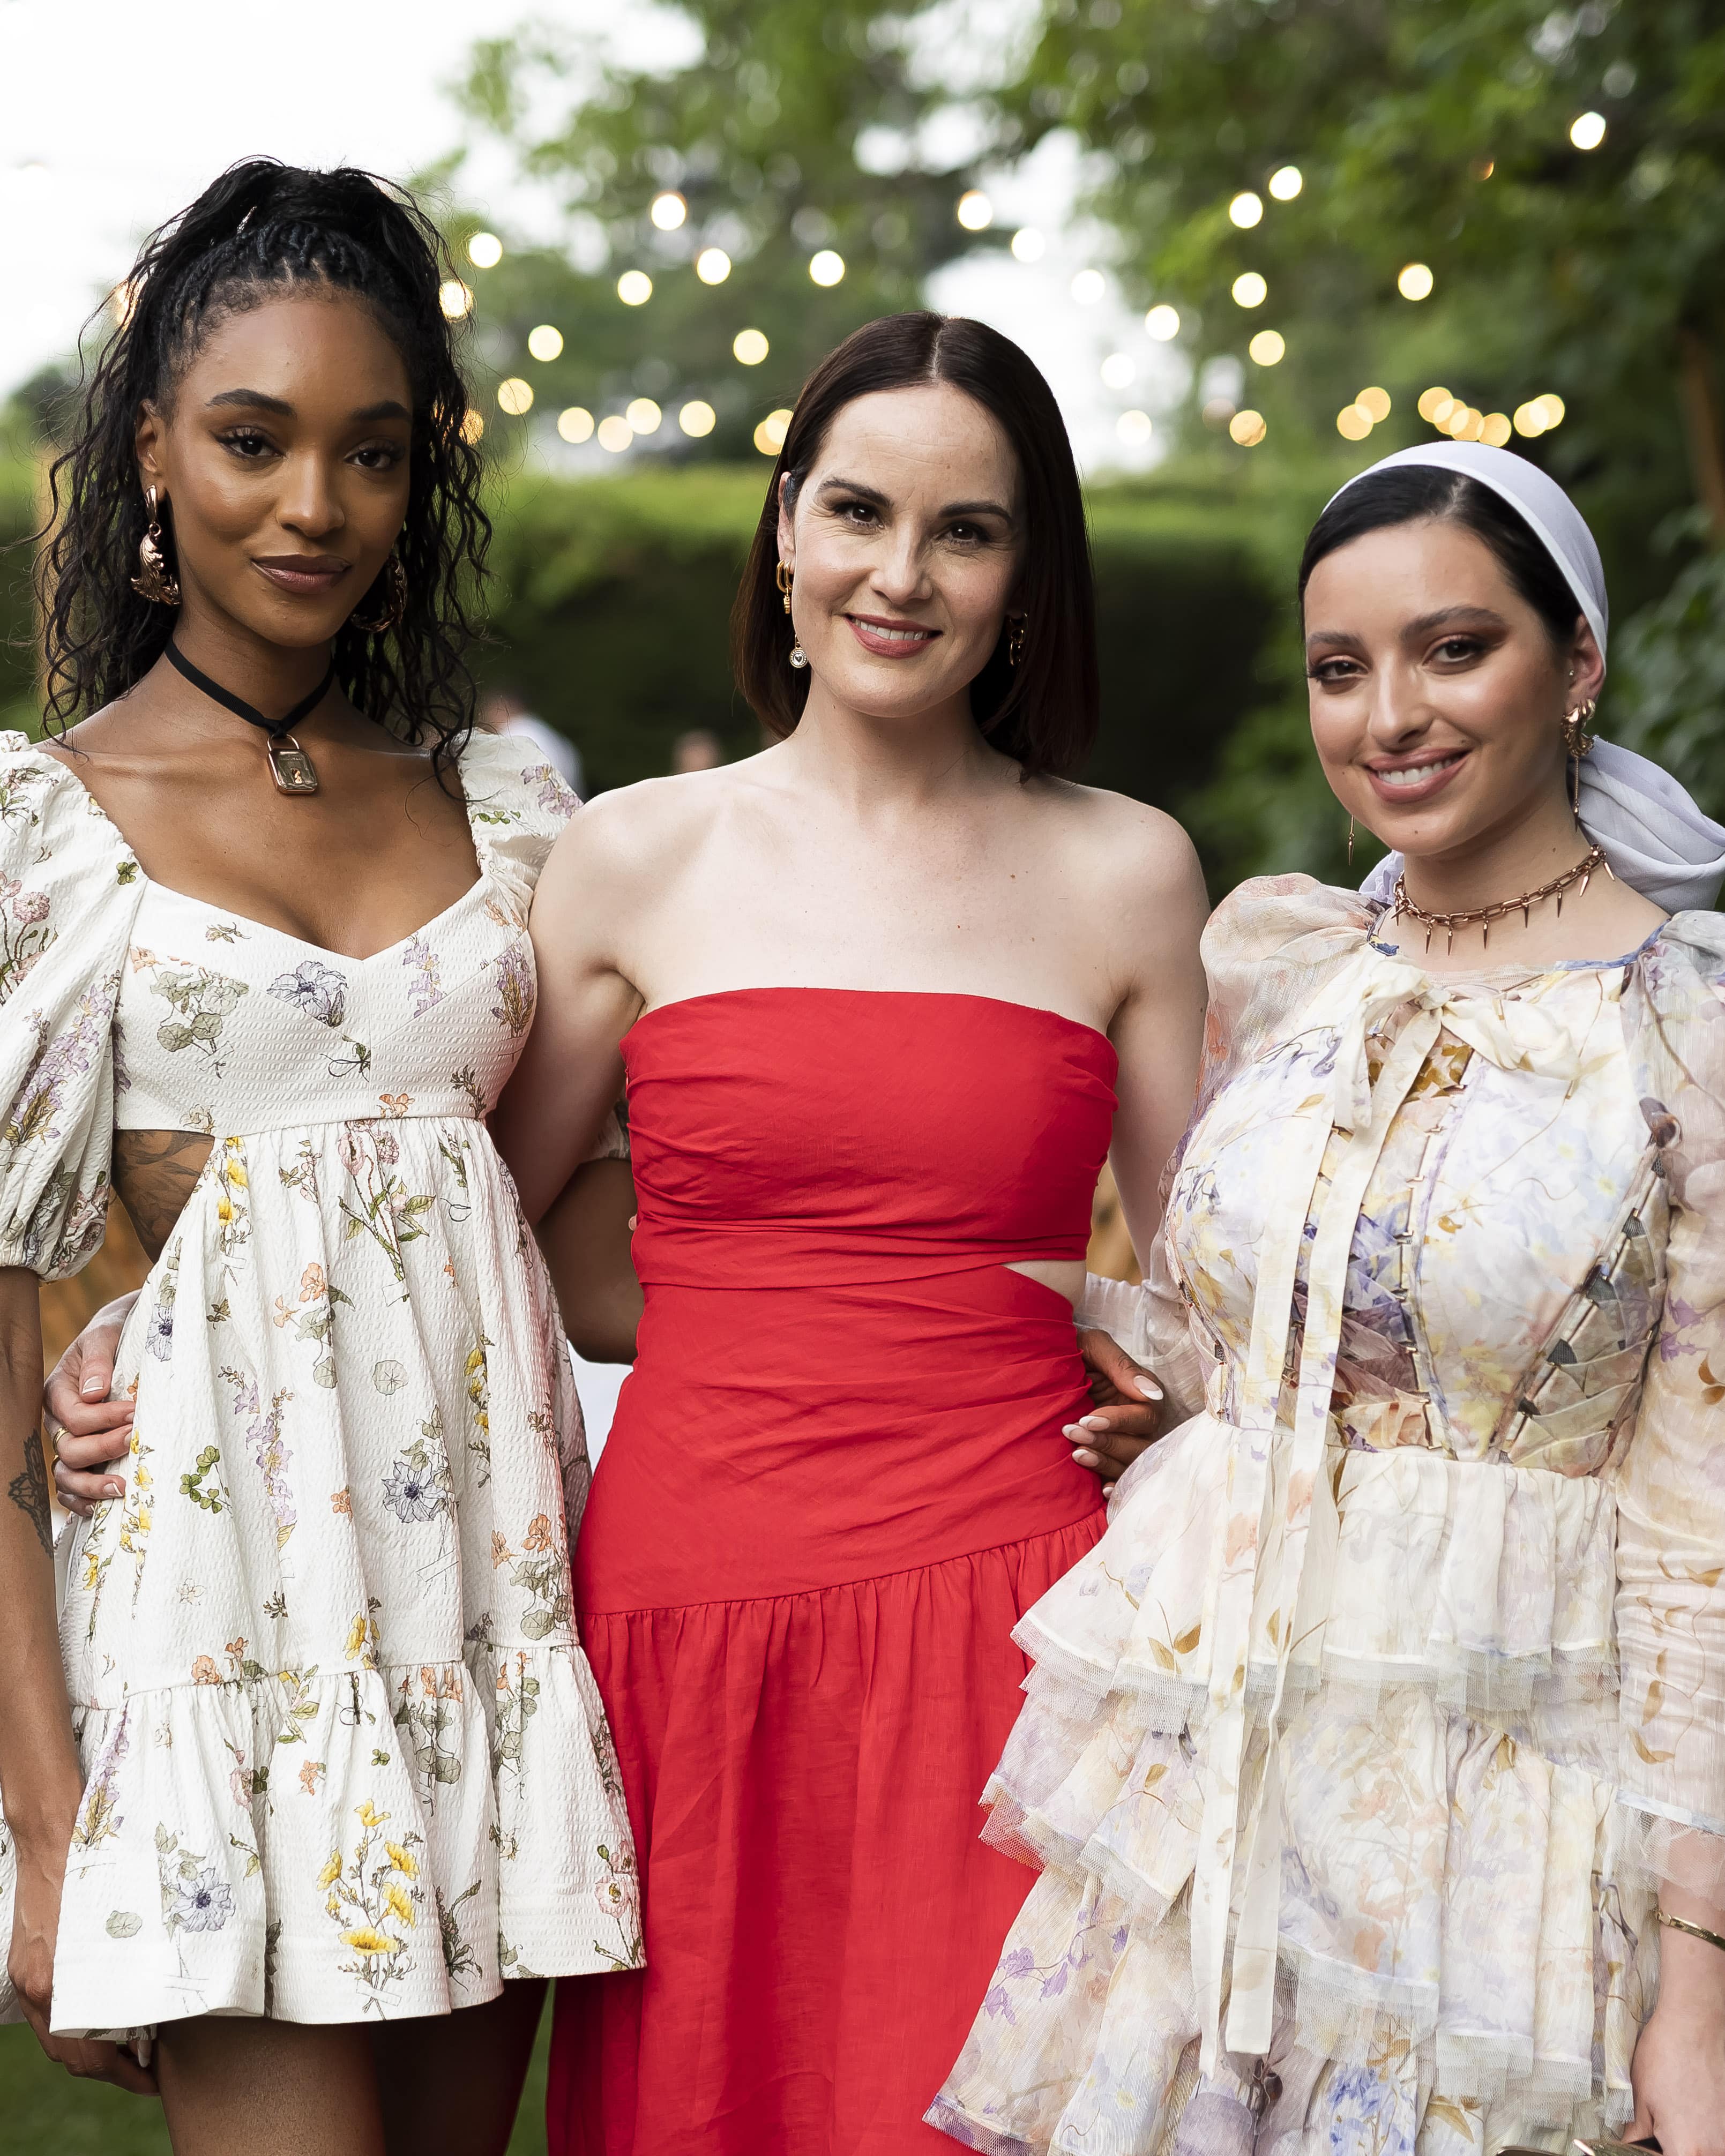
(345, 1755)
(1359, 1743)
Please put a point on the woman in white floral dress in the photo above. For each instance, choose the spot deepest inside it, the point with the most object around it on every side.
(334, 1761)
(1375, 1758)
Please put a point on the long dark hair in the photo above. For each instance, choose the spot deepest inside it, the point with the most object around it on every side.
(261, 229)
(1406, 493)
(1044, 710)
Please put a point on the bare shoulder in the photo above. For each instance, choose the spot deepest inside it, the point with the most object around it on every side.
(639, 834)
(1139, 855)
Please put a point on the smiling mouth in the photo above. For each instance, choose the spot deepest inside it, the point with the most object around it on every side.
(886, 636)
(1417, 774)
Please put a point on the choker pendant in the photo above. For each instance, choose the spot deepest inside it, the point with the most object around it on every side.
(290, 767)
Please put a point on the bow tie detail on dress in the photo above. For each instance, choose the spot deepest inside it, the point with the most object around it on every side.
(1515, 1029)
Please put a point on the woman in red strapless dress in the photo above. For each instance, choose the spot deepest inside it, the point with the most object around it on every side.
(872, 1040)
(809, 1644)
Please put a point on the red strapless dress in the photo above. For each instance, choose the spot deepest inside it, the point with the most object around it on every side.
(835, 1481)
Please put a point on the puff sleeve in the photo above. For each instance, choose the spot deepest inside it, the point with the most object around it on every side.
(517, 806)
(1266, 948)
(69, 888)
(1671, 1479)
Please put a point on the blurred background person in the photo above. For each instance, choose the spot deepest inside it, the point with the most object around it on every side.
(505, 711)
(699, 749)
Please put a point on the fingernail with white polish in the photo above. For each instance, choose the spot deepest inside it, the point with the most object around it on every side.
(1088, 1459)
(91, 1387)
(1095, 1423)
(1149, 1388)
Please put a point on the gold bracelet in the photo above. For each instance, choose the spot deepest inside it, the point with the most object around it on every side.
(1695, 1931)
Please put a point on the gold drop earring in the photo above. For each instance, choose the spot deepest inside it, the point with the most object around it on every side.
(154, 580)
(1350, 842)
(1577, 742)
(785, 578)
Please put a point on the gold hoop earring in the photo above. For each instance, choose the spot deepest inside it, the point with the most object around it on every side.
(785, 578)
(154, 580)
(394, 608)
(1015, 640)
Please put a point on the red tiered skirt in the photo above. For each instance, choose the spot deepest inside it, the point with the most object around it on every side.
(819, 1515)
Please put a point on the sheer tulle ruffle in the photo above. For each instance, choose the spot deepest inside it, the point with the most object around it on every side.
(1451, 1778)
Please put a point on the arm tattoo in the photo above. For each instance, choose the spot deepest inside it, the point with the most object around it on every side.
(155, 1172)
(29, 1492)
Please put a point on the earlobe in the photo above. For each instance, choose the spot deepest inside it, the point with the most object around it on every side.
(147, 440)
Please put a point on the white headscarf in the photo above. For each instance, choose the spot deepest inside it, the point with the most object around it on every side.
(1654, 837)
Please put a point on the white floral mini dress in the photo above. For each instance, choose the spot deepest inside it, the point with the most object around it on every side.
(345, 1756)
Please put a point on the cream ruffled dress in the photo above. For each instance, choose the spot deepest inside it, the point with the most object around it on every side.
(1354, 1751)
(345, 1756)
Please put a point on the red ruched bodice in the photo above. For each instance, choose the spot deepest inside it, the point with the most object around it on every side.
(836, 1479)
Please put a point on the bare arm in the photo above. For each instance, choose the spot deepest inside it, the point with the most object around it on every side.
(40, 1777)
(585, 1237)
(570, 1072)
(1158, 1031)
(1153, 918)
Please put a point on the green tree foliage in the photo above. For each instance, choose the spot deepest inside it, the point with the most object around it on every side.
(785, 130)
(1436, 131)
(1443, 132)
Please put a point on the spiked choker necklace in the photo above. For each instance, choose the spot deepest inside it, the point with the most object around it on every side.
(290, 767)
(1484, 915)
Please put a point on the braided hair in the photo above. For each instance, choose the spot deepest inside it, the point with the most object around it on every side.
(261, 230)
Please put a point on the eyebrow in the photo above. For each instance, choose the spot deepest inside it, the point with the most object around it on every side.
(1422, 627)
(951, 509)
(387, 409)
(1436, 620)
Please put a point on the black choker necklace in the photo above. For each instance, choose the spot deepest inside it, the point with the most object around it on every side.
(290, 767)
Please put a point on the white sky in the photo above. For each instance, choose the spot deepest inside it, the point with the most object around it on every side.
(117, 112)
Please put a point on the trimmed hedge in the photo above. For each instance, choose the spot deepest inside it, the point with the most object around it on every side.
(612, 601)
(610, 605)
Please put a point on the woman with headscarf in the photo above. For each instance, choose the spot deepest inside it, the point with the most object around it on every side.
(1375, 1758)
